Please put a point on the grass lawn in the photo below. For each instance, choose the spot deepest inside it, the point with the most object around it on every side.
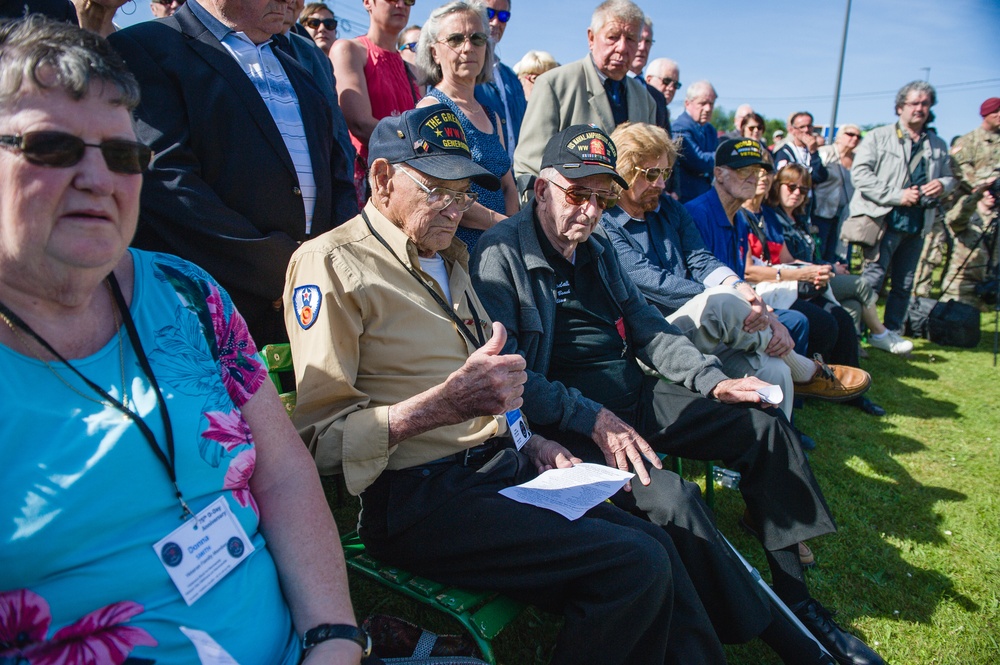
(915, 566)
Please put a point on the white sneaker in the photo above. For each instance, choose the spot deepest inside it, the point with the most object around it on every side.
(891, 342)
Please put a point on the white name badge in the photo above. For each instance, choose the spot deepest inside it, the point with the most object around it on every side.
(518, 428)
(200, 552)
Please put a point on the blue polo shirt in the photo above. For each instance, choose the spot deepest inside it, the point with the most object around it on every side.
(728, 242)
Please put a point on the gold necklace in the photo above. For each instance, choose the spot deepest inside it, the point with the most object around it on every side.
(121, 355)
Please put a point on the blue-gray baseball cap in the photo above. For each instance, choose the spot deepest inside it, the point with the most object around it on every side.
(431, 140)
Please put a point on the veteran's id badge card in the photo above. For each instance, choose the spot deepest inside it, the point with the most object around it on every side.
(518, 428)
(198, 558)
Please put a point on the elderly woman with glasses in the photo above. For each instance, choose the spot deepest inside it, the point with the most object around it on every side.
(157, 503)
(372, 80)
(320, 23)
(456, 53)
(833, 196)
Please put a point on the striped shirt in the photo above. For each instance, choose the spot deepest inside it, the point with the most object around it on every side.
(264, 70)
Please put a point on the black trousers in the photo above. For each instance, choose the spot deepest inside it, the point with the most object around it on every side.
(617, 579)
(777, 484)
(831, 331)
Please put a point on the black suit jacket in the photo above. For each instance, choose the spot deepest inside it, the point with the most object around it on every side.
(222, 190)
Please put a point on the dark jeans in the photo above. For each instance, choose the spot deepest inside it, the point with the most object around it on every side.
(831, 331)
(828, 228)
(617, 579)
(899, 254)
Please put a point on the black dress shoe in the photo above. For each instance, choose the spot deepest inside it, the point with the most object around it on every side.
(844, 647)
(868, 406)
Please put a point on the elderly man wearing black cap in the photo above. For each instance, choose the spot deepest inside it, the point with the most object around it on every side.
(585, 330)
(404, 388)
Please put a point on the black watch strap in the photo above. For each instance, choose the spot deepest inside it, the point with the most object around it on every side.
(337, 631)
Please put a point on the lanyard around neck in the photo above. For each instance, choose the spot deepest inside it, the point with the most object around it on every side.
(168, 459)
(462, 328)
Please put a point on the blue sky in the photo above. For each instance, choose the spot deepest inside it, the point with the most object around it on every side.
(780, 55)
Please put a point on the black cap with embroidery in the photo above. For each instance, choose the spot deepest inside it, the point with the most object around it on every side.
(582, 150)
(431, 140)
(737, 153)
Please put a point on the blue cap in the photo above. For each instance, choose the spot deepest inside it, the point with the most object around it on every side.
(431, 140)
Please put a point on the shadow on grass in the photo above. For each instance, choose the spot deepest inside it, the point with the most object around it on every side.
(877, 503)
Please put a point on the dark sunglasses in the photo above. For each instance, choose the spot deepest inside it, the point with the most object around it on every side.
(169, 2)
(408, 3)
(501, 15)
(61, 150)
(852, 135)
(578, 196)
(409, 46)
(796, 188)
(457, 39)
(328, 23)
(667, 82)
(653, 174)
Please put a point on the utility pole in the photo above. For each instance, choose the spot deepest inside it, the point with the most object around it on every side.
(927, 73)
(840, 73)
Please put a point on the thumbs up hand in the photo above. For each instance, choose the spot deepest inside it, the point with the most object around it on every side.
(489, 383)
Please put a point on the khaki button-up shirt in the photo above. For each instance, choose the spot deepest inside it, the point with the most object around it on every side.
(373, 338)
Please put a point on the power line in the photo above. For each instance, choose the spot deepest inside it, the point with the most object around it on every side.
(958, 87)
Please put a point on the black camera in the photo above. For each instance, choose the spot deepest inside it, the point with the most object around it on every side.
(927, 201)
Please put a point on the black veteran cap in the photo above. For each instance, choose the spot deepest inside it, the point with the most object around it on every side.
(582, 150)
(737, 153)
(430, 140)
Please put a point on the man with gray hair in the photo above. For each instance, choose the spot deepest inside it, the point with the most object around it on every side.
(699, 141)
(594, 90)
(900, 173)
(742, 111)
(664, 75)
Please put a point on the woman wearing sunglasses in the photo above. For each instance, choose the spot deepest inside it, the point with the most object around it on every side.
(372, 80)
(456, 53)
(753, 127)
(833, 195)
(321, 25)
(146, 454)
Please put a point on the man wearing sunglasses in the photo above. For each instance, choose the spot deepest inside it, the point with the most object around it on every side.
(404, 388)
(585, 330)
(504, 94)
(594, 90)
(247, 160)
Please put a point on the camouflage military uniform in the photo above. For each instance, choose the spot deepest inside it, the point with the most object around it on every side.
(977, 156)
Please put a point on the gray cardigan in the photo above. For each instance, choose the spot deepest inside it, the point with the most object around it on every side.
(516, 285)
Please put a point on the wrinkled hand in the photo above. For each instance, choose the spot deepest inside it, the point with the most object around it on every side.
(488, 383)
(736, 391)
(548, 454)
(781, 343)
(810, 140)
(840, 269)
(932, 189)
(758, 318)
(910, 196)
(621, 444)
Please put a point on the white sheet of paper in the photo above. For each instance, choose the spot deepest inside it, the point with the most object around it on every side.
(570, 492)
(771, 394)
(209, 651)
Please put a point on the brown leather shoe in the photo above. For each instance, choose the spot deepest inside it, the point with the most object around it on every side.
(835, 383)
(806, 556)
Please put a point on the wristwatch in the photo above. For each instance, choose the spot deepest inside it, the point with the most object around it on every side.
(337, 631)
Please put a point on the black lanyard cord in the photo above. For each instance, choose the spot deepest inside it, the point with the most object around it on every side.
(434, 294)
(168, 460)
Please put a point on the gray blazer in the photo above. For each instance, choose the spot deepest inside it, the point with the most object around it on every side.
(570, 95)
(880, 175)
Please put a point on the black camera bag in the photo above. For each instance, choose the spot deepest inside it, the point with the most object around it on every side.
(954, 323)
